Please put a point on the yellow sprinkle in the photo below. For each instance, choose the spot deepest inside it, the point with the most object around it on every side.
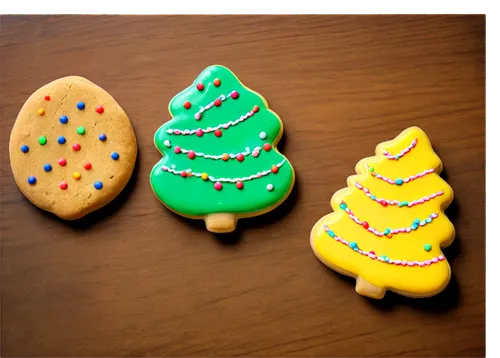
(41, 112)
(204, 176)
(77, 176)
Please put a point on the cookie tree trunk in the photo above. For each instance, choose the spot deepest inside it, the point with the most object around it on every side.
(221, 222)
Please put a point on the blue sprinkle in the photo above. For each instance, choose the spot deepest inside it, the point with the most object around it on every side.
(102, 137)
(98, 185)
(80, 105)
(396, 157)
(32, 180)
(373, 197)
(63, 119)
(387, 231)
(428, 220)
(61, 140)
(352, 245)
(356, 249)
(417, 221)
(47, 167)
(414, 227)
(331, 233)
(25, 148)
(115, 156)
(399, 181)
(386, 259)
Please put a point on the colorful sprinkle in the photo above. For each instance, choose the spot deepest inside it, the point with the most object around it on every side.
(63, 185)
(399, 181)
(383, 202)
(77, 175)
(225, 157)
(25, 148)
(197, 116)
(115, 156)
(427, 247)
(403, 203)
(191, 155)
(239, 185)
(217, 102)
(270, 187)
(217, 82)
(183, 174)
(274, 169)
(352, 245)
(255, 153)
(199, 132)
(373, 197)
(263, 135)
(240, 157)
(98, 185)
(80, 105)
(42, 140)
(102, 137)
(255, 109)
(177, 150)
(234, 95)
(63, 119)
(200, 86)
(218, 133)
(47, 98)
(267, 147)
(47, 167)
(372, 169)
(80, 130)
(99, 109)
(61, 140)
(365, 225)
(41, 112)
(87, 165)
(77, 147)
(204, 176)
(218, 186)
(167, 143)
(31, 180)
(187, 104)
(343, 206)
(62, 162)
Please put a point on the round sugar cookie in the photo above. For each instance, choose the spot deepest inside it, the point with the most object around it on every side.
(72, 148)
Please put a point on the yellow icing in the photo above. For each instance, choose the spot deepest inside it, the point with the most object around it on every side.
(411, 281)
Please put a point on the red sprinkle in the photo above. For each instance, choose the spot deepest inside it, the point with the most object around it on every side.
(63, 185)
(199, 132)
(76, 147)
(217, 82)
(217, 102)
(99, 109)
(218, 186)
(218, 133)
(234, 95)
(365, 225)
(87, 166)
(177, 150)
(62, 162)
(274, 169)
(255, 109)
(47, 98)
(191, 154)
(239, 185)
(383, 202)
(267, 147)
(183, 174)
(240, 157)
(187, 105)
(200, 86)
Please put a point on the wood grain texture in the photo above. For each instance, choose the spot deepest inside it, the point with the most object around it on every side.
(133, 279)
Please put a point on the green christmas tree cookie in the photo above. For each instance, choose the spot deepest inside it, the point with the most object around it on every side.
(220, 161)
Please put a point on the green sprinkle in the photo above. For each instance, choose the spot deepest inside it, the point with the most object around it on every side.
(343, 206)
(396, 157)
(372, 169)
(427, 247)
(417, 221)
(80, 130)
(414, 227)
(403, 203)
(42, 140)
(352, 245)
(387, 231)
(387, 259)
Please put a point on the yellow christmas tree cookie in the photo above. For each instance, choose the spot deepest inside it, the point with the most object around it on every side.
(388, 225)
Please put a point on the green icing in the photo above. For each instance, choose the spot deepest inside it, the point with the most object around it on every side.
(195, 197)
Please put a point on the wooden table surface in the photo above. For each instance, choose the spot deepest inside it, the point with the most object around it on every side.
(133, 279)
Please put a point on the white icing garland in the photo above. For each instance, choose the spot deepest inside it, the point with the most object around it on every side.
(402, 152)
(210, 129)
(231, 155)
(223, 180)
(211, 104)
